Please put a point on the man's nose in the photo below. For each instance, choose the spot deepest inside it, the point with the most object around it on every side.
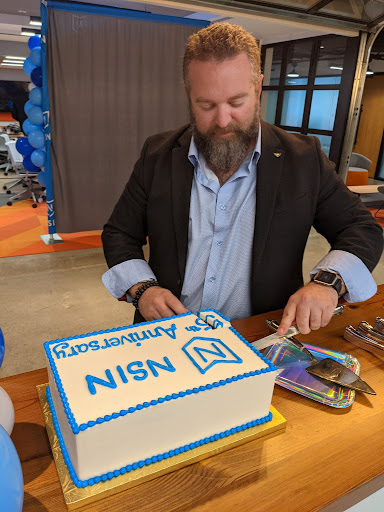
(223, 117)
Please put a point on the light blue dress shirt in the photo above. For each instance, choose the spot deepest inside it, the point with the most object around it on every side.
(220, 237)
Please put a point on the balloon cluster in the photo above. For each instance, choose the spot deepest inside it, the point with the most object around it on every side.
(32, 147)
(11, 476)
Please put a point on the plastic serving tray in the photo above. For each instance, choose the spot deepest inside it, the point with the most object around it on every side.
(293, 376)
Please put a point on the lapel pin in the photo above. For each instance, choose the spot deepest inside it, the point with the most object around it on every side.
(277, 155)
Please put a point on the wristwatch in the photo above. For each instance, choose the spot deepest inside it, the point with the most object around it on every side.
(328, 278)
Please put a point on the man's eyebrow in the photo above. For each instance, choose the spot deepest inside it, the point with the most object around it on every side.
(232, 98)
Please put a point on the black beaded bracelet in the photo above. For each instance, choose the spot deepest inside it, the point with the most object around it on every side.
(141, 290)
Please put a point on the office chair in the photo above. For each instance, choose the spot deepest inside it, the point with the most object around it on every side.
(5, 161)
(15, 162)
(25, 178)
(358, 170)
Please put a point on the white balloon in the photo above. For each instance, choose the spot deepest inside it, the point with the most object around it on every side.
(31, 86)
(7, 412)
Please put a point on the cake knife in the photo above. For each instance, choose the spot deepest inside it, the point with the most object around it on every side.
(274, 338)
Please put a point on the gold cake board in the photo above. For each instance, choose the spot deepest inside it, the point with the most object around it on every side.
(76, 497)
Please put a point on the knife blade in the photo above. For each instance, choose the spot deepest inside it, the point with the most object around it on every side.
(274, 338)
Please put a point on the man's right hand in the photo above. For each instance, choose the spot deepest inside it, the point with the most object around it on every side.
(157, 302)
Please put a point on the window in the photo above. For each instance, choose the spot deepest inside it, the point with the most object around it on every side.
(307, 86)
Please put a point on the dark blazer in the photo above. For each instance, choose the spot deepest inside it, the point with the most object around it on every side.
(296, 188)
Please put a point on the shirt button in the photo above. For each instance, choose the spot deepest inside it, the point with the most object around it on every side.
(219, 242)
(212, 279)
(223, 207)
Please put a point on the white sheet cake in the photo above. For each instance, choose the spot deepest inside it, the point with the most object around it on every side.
(132, 396)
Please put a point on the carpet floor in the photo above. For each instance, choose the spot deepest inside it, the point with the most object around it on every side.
(21, 227)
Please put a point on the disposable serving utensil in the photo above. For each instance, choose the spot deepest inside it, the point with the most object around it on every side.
(364, 341)
(379, 325)
(327, 368)
(366, 329)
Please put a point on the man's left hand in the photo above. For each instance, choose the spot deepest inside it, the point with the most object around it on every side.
(309, 308)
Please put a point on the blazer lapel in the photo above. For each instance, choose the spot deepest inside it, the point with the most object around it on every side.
(182, 176)
(269, 169)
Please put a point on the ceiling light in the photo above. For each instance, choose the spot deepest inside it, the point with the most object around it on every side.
(11, 61)
(336, 67)
(322, 47)
(15, 58)
(35, 21)
(293, 73)
(10, 64)
(369, 71)
(29, 32)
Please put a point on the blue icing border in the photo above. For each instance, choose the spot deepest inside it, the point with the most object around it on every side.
(215, 311)
(147, 461)
(123, 412)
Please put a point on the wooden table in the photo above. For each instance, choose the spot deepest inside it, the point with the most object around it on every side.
(323, 455)
(364, 189)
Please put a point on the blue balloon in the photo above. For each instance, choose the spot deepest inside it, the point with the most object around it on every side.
(36, 56)
(33, 42)
(36, 96)
(37, 139)
(29, 166)
(37, 77)
(42, 178)
(24, 147)
(28, 66)
(2, 347)
(38, 157)
(11, 475)
(28, 127)
(28, 106)
(35, 115)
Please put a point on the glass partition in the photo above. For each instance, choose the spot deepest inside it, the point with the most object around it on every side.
(293, 108)
(330, 60)
(299, 58)
(307, 87)
(323, 110)
(272, 66)
(268, 106)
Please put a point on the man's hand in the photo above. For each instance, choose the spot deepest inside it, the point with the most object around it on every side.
(309, 308)
(157, 302)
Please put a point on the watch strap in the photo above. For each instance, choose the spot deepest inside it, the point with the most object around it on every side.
(336, 284)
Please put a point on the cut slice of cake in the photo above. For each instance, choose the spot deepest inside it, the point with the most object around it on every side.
(131, 396)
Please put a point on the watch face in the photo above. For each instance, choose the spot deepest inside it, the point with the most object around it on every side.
(326, 277)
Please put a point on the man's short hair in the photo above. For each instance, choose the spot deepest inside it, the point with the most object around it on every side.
(221, 41)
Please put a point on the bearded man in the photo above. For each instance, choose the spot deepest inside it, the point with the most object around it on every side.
(227, 204)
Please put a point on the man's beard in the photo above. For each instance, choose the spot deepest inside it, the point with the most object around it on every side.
(225, 153)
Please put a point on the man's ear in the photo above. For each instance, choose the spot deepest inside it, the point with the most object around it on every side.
(260, 83)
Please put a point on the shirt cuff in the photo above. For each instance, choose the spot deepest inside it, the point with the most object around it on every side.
(357, 278)
(121, 277)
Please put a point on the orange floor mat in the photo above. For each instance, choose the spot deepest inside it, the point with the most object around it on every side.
(6, 116)
(21, 227)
